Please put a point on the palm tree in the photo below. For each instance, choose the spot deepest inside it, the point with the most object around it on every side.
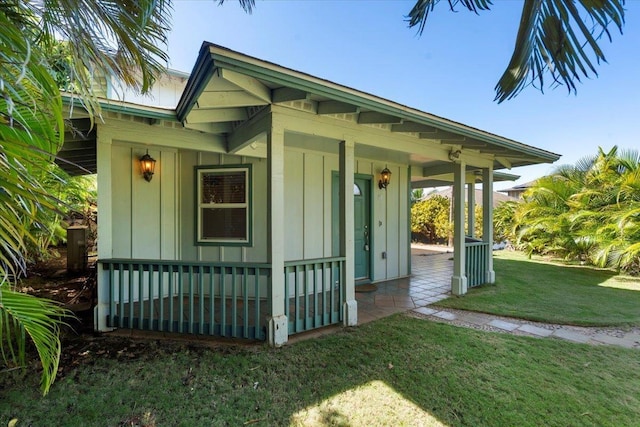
(120, 38)
(588, 211)
(558, 38)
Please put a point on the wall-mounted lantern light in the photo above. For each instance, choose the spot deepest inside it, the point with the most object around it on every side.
(454, 155)
(385, 177)
(147, 166)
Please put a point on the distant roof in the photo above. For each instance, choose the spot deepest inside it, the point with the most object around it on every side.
(497, 197)
(519, 187)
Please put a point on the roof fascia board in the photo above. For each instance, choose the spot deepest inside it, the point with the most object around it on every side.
(202, 72)
(127, 108)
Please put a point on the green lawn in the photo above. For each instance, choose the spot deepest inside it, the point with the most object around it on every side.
(395, 371)
(555, 293)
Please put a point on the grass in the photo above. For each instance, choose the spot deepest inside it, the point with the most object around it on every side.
(396, 371)
(550, 292)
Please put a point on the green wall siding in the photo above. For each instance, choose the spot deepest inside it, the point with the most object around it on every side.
(155, 219)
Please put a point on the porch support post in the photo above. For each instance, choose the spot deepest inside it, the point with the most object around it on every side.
(459, 279)
(487, 221)
(471, 209)
(347, 160)
(105, 233)
(277, 324)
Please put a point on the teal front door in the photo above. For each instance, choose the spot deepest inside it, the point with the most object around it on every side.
(362, 229)
(362, 225)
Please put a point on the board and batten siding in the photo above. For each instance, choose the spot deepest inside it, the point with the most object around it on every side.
(144, 212)
(308, 214)
(156, 220)
(257, 252)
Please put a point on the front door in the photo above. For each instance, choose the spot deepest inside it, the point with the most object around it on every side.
(362, 225)
(362, 229)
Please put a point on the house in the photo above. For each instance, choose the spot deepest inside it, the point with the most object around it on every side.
(518, 190)
(271, 195)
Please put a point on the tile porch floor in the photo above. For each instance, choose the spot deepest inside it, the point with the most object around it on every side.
(430, 281)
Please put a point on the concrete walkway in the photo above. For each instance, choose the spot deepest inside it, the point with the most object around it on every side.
(596, 336)
(430, 282)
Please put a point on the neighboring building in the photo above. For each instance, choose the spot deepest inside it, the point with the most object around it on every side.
(497, 196)
(270, 199)
(518, 190)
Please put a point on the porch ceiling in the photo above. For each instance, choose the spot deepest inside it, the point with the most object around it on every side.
(78, 154)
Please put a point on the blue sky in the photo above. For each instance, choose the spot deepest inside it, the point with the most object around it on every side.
(450, 70)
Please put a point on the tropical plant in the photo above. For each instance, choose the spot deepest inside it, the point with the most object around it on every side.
(112, 37)
(416, 195)
(118, 38)
(589, 212)
(504, 228)
(430, 218)
(558, 38)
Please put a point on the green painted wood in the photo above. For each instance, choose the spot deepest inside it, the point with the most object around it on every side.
(201, 300)
(245, 301)
(313, 292)
(212, 301)
(223, 302)
(305, 285)
(130, 280)
(112, 301)
(476, 254)
(180, 300)
(362, 230)
(140, 296)
(298, 327)
(234, 307)
(161, 296)
(256, 278)
(151, 294)
(171, 298)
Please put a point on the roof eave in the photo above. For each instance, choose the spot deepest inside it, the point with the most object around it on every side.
(213, 56)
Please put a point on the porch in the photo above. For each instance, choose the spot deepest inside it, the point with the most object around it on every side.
(232, 300)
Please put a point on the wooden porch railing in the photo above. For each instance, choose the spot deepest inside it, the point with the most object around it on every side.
(223, 299)
(476, 255)
(313, 293)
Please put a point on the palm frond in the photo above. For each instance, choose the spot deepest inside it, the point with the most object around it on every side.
(247, 5)
(554, 38)
(421, 10)
(24, 315)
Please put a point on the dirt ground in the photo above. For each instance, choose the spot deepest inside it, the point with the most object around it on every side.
(77, 292)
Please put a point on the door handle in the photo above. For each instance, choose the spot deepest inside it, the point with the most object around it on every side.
(366, 238)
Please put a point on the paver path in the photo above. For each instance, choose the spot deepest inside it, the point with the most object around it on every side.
(629, 338)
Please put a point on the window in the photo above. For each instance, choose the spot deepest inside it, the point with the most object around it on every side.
(223, 205)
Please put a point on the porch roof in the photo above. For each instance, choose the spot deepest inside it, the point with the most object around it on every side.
(226, 86)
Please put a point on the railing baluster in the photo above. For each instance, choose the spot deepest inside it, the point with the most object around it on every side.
(112, 297)
(151, 297)
(131, 299)
(296, 305)
(245, 302)
(223, 302)
(171, 297)
(161, 297)
(234, 302)
(201, 300)
(181, 299)
(314, 271)
(122, 306)
(325, 318)
(190, 318)
(140, 304)
(256, 279)
(212, 301)
(287, 298)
